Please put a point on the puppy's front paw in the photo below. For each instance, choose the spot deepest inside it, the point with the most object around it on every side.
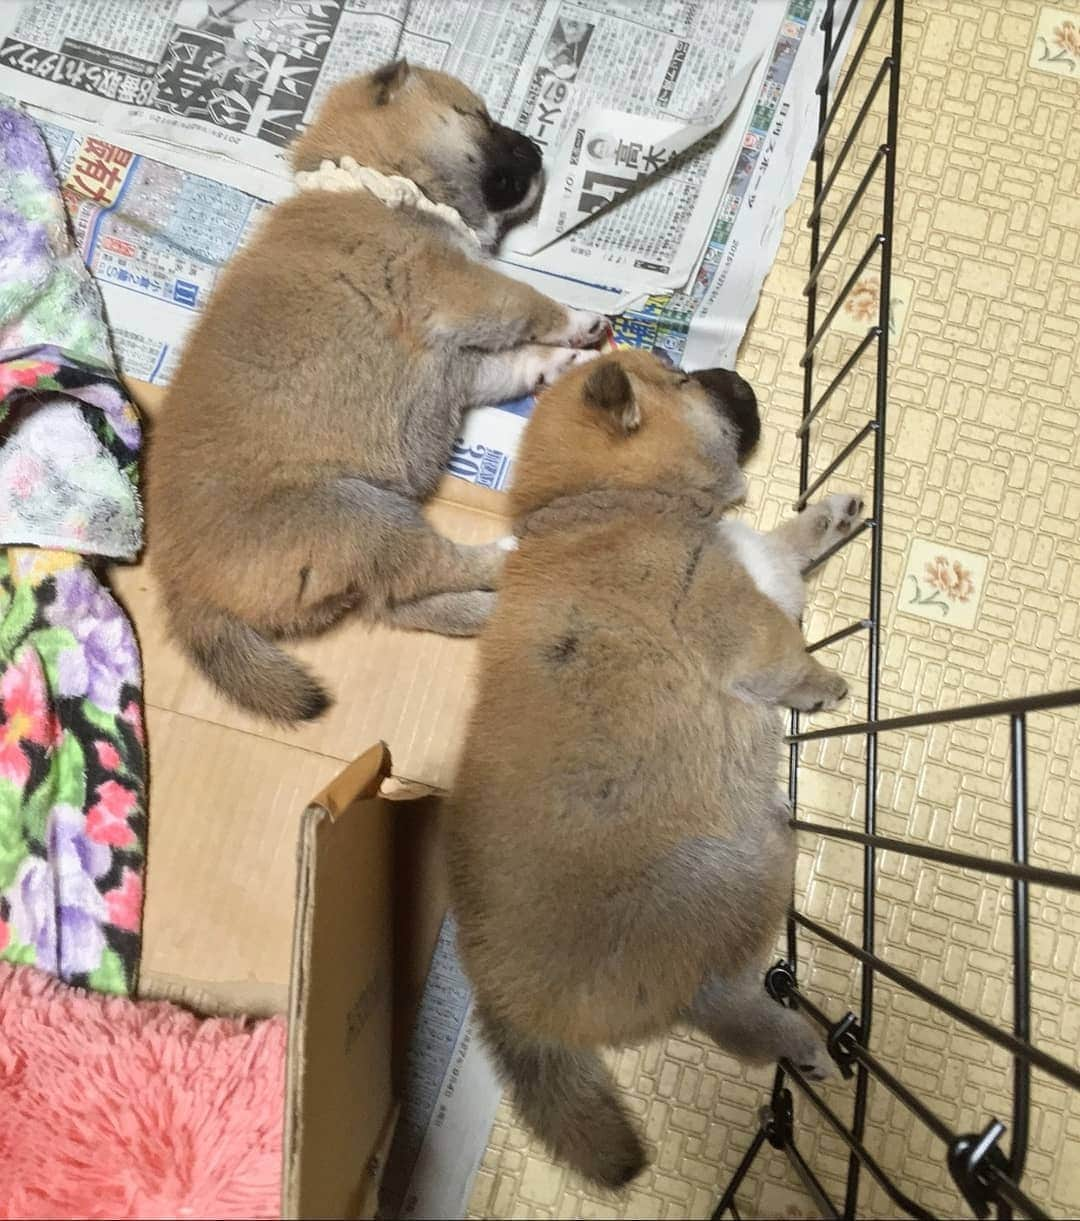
(835, 518)
(547, 365)
(583, 329)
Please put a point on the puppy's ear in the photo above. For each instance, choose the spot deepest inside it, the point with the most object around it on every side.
(389, 80)
(608, 388)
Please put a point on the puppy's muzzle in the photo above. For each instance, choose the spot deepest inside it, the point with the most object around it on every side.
(513, 166)
(734, 398)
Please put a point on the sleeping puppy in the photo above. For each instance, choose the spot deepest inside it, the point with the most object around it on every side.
(620, 854)
(318, 398)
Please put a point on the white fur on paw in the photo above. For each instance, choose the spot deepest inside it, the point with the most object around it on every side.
(583, 329)
(554, 362)
(507, 543)
(839, 514)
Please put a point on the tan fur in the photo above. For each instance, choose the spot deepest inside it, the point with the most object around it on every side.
(320, 393)
(620, 852)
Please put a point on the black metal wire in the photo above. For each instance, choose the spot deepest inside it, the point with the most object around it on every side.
(853, 1049)
(881, 404)
(1020, 705)
(887, 69)
(1053, 1067)
(812, 1183)
(1021, 955)
(858, 1150)
(827, 115)
(1018, 870)
(867, 429)
(834, 385)
(727, 1200)
(831, 53)
(874, 247)
(841, 225)
(987, 1179)
(860, 625)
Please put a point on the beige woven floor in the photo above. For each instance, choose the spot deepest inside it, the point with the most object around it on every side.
(983, 471)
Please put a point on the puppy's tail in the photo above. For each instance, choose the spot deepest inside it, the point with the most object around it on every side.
(567, 1097)
(247, 668)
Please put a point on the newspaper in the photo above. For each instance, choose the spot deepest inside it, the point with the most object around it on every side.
(221, 86)
(704, 325)
(635, 107)
(156, 221)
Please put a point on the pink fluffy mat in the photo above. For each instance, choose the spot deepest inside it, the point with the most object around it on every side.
(111, 1108)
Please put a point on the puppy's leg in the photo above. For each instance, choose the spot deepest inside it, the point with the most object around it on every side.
(820, 526)
(525, 370)
(423, 563)
(306, 555)
(581, 329)
(780, 671)
(480, 308)
(462, 614)
(739, 1014)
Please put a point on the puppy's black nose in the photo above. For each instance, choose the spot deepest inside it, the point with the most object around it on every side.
(734, 396)
(525, 154)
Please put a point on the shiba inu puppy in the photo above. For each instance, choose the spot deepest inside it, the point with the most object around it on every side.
(619, 850)
(319, 395)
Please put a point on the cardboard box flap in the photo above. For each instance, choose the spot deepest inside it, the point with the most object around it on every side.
(360, 780)
(339, 1107)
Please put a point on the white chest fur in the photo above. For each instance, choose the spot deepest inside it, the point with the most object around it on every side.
(772, 566)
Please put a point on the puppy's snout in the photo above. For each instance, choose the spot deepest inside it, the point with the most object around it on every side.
(523, 151)
(513, 168)
(734, 397)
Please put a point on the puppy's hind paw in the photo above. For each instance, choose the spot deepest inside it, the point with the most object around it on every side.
(810, 1055)
(818, 694)
(818, 1068)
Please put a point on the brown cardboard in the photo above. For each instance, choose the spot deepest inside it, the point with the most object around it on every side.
(339, 1101)
(225, 811)
(341, 939)
(361, 950)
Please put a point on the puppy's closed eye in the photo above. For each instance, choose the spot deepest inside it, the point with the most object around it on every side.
(482, 115)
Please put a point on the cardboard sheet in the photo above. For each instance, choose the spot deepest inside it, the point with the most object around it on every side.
(225, 811)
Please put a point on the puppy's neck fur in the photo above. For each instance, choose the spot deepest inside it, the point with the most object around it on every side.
(394, 191)
(576, 507)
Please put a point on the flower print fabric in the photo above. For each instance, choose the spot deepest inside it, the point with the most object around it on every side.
(72, 766)
(68, 462)
(72, 775)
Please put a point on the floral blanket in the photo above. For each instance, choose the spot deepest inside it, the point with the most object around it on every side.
(72, 764)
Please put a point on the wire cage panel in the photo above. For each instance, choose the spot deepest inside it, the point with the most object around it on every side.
(948, 1039)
